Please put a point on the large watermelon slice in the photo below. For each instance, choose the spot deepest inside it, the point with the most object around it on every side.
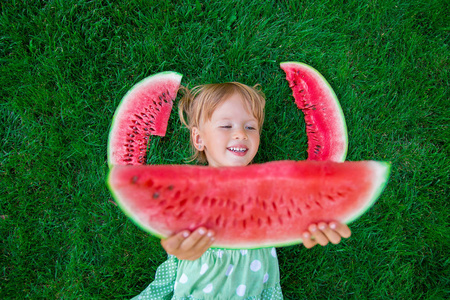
(143, 111)
(255, 206)
(325, 122)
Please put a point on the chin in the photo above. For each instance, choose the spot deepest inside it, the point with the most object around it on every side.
(238, 164)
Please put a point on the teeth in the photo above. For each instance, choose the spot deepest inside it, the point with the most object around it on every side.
(237, 149)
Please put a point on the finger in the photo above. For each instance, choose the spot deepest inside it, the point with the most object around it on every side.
(329, 233)
(193, 239)
(205, 242)
(174, 242)
(194, 248)
(308, 242)
(318, 236)
(342, 229)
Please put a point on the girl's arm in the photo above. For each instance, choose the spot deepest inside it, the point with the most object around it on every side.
(324, 233)
(189, 246)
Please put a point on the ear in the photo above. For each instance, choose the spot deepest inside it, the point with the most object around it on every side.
(197, 139)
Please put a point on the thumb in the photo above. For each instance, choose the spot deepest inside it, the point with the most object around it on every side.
(173, 242)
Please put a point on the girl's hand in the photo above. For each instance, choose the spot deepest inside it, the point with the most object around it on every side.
(324, 233)
(189, 246)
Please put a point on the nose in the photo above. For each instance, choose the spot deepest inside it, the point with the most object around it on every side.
(240, 134)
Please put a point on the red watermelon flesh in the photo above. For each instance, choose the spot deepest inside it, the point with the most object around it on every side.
(325, 122)
(143, 111)
(255, 206)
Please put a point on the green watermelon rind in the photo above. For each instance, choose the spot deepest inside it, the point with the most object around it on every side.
(338, 105)
(382, 173)
(127, 212)
(123, 102)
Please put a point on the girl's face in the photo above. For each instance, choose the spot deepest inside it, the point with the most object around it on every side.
(230, 137)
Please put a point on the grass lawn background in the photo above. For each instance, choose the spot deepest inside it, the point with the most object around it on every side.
(65, 65)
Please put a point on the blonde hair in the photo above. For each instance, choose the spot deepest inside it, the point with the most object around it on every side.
(199, 103)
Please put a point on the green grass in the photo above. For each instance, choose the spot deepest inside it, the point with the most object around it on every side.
(65, 65)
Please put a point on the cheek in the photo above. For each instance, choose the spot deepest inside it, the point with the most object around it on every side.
(256, 138)
(217, 139)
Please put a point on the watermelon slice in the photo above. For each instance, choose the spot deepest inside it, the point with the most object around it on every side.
(325, 122)
(143, 111)
(255, 206)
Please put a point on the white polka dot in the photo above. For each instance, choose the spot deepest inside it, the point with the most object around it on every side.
(183, 278)
(229, 270)
(274, 252)
(208, 289)
(240, 291)
(266, 277)
(203, 269)
(244, 252)
(255, 265)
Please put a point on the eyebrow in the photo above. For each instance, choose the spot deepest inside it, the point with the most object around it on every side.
(230, 119)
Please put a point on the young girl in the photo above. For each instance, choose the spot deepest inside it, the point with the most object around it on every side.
(225, 122)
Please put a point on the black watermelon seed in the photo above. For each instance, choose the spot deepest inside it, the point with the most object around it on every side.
(134, 179)
(155, 195)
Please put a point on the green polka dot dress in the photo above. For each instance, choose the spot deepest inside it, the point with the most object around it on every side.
(218, 274)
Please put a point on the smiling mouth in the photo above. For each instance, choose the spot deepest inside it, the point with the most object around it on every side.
(238, 150)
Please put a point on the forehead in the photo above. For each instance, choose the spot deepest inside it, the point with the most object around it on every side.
(233, 106)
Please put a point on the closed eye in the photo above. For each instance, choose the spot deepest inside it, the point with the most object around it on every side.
(226, 126)
(251, 128)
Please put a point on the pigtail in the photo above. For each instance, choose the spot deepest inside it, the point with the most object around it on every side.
(188, 112)
(184, 106)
